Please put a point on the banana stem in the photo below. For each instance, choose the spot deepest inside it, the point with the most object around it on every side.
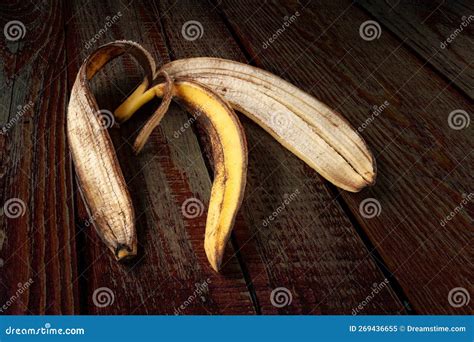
(137, 99)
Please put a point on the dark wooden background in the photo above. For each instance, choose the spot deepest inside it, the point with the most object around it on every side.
(320, 248)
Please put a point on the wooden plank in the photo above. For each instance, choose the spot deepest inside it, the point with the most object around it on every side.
(439, 31)
(311, 249)
(171, 273)
(425, 166)
(37, 246)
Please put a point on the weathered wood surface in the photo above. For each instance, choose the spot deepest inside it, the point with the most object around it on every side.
(319, 248)
(38, 264)
(425, 167)
(441, 32)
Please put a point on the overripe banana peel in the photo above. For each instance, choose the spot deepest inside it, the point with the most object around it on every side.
(100, 178)
(311, 130)
(229, 153)
(210, 87)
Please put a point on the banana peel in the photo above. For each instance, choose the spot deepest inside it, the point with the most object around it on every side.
(312, 131)
(229, 153)
(319, 136)
(100, 178)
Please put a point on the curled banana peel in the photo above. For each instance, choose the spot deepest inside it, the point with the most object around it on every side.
(316, 134)
(209, 88)
(100, 178)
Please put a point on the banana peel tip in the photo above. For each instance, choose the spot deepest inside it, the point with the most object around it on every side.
(123, 253)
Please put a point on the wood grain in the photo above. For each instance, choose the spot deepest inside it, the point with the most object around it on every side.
(425, 167)
(320, 247)
(441, 32)
(171, 274)
(311, 248)
(38, 252)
